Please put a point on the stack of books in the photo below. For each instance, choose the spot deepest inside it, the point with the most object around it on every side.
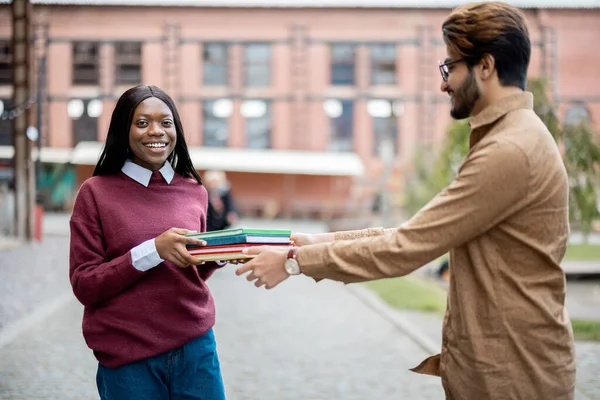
(228, 244)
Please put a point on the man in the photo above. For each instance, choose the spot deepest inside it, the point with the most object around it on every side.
(221, 212)
(504, 220)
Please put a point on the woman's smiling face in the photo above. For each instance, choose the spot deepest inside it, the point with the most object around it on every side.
(152, 134)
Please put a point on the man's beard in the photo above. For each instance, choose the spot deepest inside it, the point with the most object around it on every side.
(464, 98)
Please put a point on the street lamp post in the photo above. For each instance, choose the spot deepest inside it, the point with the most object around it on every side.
(22, 165)
(39, 115)
(385, 111)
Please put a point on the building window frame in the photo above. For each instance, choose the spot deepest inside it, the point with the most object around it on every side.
(5, 62)
(342, 63)
(257, 66)
(6, 124)
(128, 63)
(384, 114)
(215, 63)
(86, 63)
(577, 113)
(341, 124)
(384, 66)
(215, 122)
(258, 121)
(84, 115)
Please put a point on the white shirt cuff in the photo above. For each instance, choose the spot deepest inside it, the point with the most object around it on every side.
(145, 256)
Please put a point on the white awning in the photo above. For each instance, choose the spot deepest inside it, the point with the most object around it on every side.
(252, 160)
(48, 154)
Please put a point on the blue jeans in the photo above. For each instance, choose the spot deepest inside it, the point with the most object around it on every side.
(189, 372)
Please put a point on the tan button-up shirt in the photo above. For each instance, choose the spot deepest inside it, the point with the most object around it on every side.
(504, 220)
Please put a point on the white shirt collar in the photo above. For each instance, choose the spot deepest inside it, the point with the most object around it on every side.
(142, 175)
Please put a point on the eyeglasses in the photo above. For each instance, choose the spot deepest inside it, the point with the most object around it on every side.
(444, 68)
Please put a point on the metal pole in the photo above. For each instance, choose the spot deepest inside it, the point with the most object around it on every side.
(40, 101)
(386, 152)
(23, 168)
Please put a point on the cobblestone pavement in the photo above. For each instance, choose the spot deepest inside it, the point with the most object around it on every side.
(588, 370)
(301, 340)
(32, 275)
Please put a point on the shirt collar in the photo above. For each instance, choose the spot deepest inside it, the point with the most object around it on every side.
(142, 175)
(495, 111)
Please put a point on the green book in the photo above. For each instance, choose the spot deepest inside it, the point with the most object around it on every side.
(241, 231)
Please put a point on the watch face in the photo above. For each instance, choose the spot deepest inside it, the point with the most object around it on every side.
(291, 266)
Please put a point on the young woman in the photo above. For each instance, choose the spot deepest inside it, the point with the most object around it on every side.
(148, 313)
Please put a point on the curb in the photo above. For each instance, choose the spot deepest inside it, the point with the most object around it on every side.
(373, 301)
(39, 314)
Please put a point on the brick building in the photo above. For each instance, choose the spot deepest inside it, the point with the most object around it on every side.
(298, 100)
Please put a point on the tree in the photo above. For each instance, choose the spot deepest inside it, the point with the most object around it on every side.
(430, 179)
(582, 157)
(580, 149)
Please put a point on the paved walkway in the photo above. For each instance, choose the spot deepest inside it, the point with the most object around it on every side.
(299, 341)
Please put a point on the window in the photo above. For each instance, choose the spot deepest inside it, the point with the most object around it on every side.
(258, 124)
(214, 64)
(385, 126)
(257, 64)
(383, 64)
(128, 60)
(340, 113)
(5, 63)
(6, 125)
(342, 64)
(84, 115)
(215, 116)
(85, 63)
(577, 114)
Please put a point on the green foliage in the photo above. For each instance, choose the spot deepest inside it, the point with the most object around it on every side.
(435, 173)
(542, 105)
(581, 155)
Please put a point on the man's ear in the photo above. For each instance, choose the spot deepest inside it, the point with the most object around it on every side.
(487, 66)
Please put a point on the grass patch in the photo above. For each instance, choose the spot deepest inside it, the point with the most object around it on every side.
(413, 293)
(582, 252)
(410, 293)
(586, 330)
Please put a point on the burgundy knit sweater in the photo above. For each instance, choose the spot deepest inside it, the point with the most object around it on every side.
(129, 314)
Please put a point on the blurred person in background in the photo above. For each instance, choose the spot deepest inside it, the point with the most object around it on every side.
(504, 219)
(148, 313)
(221, 208)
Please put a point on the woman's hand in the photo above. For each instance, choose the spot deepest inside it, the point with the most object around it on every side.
(304, 239)
(170, 246)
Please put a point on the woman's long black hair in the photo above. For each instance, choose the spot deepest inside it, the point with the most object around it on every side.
(116, 150)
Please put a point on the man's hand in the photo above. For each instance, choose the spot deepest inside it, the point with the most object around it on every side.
(266, 268)
(170, 246)
(304, 239)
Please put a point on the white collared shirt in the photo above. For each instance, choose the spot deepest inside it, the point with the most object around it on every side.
(142, 175)
(145, 256)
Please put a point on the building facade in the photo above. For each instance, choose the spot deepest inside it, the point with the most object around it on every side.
(318, 83)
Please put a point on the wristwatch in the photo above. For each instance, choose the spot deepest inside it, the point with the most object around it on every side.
(291, 264)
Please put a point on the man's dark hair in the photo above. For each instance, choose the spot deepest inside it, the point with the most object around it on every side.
(494, 28)
(117, 151)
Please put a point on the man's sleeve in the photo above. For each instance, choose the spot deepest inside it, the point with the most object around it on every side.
(491, 185)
